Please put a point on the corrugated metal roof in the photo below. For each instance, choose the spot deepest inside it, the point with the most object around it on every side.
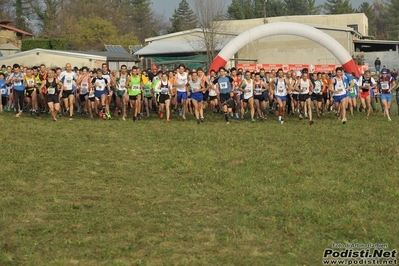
(178, 47)
(135, 48)
(15, 29)
(116, 49)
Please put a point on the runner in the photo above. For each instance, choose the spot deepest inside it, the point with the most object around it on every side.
(225, 86)
(51, 84)
(17, 81)
(134, 91)
(259, 90)
(304, 96)
(173, 100)
(353, 93)
(339, 87)
(366, 83)
(106, 74)
(101, 92)
(213, 95)
(317, 95)
(237, 93)
(281, 89)
(195, 88)
(204, 80)
(181, 80)
(68, 77)
(84, 82)
(326, 93)
(164, 91)
(30, 92)
(247, 88)
(3, 91)
(387, 83)
(122, 80)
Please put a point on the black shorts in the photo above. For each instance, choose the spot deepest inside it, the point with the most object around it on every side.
(133, 98)
(295, 96)
(304, 97)
(92, 99)
(211, 98)
(147, 97)
(28, 92)
(162, 98)
(326, 96)
(82, 97)
(259, 98)
(66, 94)
(317, 97)
(52, 98)
(205, 96)
(246, 100)
(226, 99)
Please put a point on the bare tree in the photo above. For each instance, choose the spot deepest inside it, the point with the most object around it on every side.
(210, 15)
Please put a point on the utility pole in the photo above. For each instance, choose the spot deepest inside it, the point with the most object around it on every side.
(264, 11)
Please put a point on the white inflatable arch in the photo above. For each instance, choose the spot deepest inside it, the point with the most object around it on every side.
(285, 28)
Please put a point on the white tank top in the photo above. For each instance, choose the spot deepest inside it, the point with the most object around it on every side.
(339, 86)
(317, 87)
(281, 89)
(305, 86)
(250, 87)
(181, 79)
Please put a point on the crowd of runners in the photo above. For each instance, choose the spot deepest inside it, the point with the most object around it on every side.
(235, 93)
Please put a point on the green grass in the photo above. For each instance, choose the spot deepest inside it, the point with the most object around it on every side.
(93, 192)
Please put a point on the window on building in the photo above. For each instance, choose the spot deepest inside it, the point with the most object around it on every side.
(354, 26)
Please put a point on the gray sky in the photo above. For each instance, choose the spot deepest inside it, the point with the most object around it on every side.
(167, 6)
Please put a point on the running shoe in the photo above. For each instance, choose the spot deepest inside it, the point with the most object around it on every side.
(184, 117)
(389, 119)
(300, 117)
(134, 119)
(108, 115)
(227, 123)
(160, 115)
(70, 118)
(100, 114)
(168, 121)
(253, 120)
(104, 117)
(19, 114)
(198, 121)
(202, 120)
(344, 121)
(311, 122)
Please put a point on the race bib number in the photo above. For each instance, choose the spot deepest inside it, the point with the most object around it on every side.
(68, 82)
(340, 88)
(280, 88)
(223, 85)
(31, 82)
(236, 89)
(91, 93)
(17, 83)
(136, 87)
(85, 87)
(51, 90)
(258, 91)
(147, 91)
(164, 90)
(384, 86)
(100, 87)
(3, 91)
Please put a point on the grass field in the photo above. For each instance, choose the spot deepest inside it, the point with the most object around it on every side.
(93, 192)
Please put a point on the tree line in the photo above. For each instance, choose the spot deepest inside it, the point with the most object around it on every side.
(88, 24)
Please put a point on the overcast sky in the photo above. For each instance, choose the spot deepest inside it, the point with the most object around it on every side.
(167, 6)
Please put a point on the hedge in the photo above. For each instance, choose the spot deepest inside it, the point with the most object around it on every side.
(53, 44)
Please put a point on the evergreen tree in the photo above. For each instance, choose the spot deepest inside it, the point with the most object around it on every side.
(391, 16)
(21, 15)
(235, 10)
(368, 10)
(295, 7)
(183, 18)
(332, 7)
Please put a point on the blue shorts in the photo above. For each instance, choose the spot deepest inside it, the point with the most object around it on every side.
(282, 98)
(386, 97)
(98, 94)
(338, 99)
(197, 96)
(181, 96)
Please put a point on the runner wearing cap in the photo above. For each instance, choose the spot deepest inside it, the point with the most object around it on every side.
(387, 83)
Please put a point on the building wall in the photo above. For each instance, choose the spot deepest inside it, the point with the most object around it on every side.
(390, 59)
(342, 20)
(51, 60)
(286, 49)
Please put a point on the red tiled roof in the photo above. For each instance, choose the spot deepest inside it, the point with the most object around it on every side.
(15, 29)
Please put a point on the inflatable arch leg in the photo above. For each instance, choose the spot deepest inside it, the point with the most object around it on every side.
(285, 28)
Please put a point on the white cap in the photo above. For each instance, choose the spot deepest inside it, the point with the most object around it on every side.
(298, 73)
